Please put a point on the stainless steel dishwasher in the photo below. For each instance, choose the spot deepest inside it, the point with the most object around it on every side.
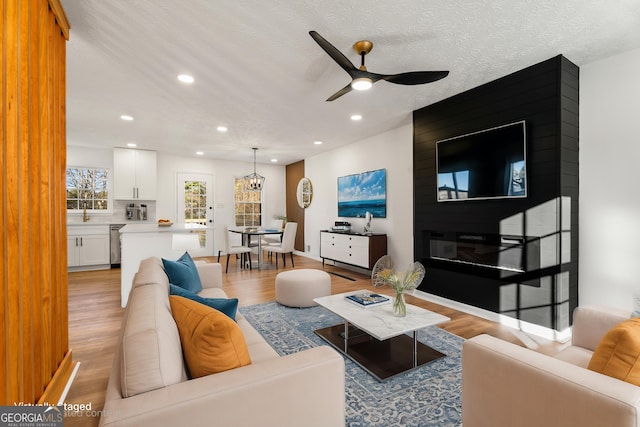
(115, 244)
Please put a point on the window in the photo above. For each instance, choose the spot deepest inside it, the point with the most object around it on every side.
(453, 185)
(248, 204)
(195, 202)
(87, 188)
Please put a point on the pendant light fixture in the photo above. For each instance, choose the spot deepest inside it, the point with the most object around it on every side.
(255, 182)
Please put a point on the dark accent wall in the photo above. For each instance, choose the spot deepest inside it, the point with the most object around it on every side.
(545, 96)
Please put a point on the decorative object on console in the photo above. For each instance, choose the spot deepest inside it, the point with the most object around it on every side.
(383, 274)
(304, 193)
(255, 181)
(341, 226)
(367, 226)
(362, 192)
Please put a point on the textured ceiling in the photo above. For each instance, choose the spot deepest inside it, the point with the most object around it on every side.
(259, 73)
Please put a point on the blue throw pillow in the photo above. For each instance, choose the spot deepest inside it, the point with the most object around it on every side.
(183, 273)
(228, 306)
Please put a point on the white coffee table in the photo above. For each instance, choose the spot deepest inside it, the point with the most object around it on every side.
(379, 342)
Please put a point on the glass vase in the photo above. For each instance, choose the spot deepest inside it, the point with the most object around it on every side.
(399, 306)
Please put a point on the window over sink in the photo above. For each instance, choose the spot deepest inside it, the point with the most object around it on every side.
(87, 188)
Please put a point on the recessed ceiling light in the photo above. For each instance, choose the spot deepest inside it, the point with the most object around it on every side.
(185, 78)
(132, 144)
(126, 117)
(356, 117)
(221, 128)
(274, 160)
(200, 153)
(317, 142)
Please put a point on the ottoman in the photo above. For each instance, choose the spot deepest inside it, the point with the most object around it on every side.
(298, 288)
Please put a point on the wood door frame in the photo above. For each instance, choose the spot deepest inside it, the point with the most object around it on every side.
(294, 173)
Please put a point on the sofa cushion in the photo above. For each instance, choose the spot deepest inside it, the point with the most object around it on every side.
(211, 341)
(183, 273)
(228, 306)
(618, 353)
(150, 351)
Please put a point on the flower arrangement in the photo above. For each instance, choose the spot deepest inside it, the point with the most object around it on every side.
(383, 274)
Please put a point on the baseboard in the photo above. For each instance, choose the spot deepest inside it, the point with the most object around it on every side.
(519, 325)
(59, 385)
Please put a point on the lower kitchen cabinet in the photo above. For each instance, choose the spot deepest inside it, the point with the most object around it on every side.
(88, 247)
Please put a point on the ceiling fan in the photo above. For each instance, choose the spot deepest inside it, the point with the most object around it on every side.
(361, 79)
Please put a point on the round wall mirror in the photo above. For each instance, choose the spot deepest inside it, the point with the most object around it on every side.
(304, 193)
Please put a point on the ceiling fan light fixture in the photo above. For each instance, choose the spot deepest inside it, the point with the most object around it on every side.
(361, 83)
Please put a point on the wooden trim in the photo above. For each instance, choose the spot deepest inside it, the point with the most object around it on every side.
(294, 173)
(61, 17)
(33, 279)
(56, 387)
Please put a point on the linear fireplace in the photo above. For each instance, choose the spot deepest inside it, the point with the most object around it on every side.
(493, 255)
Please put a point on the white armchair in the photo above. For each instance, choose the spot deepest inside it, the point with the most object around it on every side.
(506, 385)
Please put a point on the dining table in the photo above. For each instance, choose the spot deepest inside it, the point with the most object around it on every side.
(249, 232)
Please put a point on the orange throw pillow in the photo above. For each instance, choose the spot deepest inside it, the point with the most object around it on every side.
(211, 341)
(618, 353)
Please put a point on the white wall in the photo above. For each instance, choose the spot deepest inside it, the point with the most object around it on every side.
(392, 151)
(90, 157)
(224, 172)
(609, 181)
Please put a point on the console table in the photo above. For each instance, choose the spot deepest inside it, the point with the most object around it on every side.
(358, 249)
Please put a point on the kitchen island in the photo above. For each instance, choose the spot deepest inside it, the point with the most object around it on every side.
(140, 241)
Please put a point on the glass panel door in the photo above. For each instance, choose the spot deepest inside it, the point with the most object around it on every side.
(195, 206)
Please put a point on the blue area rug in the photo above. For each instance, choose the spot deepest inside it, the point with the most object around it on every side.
(427, 396)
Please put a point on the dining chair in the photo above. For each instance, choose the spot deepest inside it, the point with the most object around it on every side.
(286, 246)
(267, 240)
(234, 250)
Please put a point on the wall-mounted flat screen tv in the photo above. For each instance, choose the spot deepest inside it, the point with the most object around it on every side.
(361, 193)
(487, 164)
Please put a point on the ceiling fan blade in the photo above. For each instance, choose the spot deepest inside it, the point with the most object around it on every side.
(341, 92)
(413, 77)
(334, 53)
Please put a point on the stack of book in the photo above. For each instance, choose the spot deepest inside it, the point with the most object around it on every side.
(368, 300)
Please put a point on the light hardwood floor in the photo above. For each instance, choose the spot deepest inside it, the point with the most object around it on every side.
(95, 316)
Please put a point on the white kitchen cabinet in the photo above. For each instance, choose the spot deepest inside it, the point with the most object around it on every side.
(88, 247)
(361, 250)
(134, 174)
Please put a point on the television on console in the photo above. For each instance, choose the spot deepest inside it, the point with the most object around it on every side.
(361, 193)
(487, 164)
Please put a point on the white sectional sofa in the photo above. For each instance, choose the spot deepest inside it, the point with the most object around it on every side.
(149, 384)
